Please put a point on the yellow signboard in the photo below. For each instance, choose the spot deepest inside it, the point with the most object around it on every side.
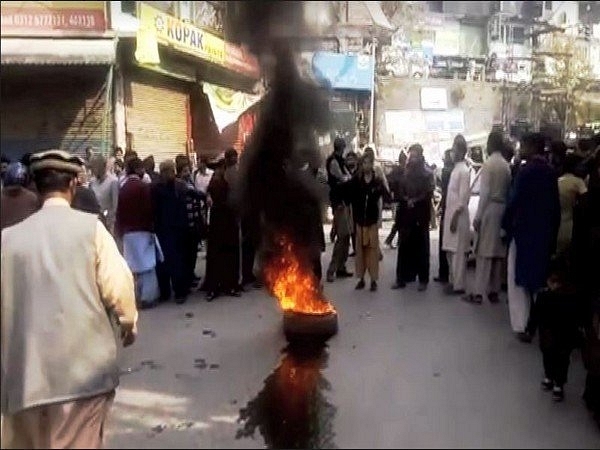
(182, 36)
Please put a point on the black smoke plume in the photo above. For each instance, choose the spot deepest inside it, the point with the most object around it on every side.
(278, 190)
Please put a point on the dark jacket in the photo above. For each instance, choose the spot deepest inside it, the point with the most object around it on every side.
(532, 218)
(559, 315)
(395, 180)
(364, 198)
(336, 186)
(418, 188)
(446, 172)
(170, 207)
(18, 203)
(85, 200)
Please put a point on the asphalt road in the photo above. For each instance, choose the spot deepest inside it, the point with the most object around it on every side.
(407, 369)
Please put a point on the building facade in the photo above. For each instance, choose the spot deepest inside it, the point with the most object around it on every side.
(57, 73)
(168, 70)
(155, 77)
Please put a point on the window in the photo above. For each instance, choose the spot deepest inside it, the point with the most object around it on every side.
(436, 7)
(518, 35)
(128, 7)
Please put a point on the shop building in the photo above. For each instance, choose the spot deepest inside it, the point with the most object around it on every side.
(164, 79)
(57, 70)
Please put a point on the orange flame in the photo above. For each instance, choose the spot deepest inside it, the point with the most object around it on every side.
(294, 284)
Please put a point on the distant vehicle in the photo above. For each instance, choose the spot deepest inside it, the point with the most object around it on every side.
(457, 67)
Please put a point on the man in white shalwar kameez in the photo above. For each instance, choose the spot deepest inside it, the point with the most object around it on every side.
(457, 234)
(490, 249)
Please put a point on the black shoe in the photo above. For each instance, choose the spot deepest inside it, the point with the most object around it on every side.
(475, 299)
(525, 337)
(330, 278)
(399, 285)
(210, 296)
(234, 293)
(493, 298)
(373, 286)
(558, 394)
(547, 384)
(352, 255)
(440, 280)
(344, 274)
(360, 285)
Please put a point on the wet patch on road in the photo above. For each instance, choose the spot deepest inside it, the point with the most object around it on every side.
(292, 410)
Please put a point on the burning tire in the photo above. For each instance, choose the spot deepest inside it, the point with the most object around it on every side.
(300, 326)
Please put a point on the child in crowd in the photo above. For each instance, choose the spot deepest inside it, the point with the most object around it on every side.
(558, 312)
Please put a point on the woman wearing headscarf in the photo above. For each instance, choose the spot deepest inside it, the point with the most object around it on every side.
(413, 248)
(18, 202)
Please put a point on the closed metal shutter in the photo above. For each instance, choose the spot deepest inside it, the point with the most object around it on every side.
(66, 111)
(157, 115)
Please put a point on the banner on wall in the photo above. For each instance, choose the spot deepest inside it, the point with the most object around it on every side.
(45, 18)
(181, 35)
(228, 105)
(343, 71)
(157, 27)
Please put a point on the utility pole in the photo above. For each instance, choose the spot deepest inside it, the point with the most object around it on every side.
(372, 118)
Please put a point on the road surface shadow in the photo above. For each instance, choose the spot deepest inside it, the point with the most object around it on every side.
(291, 411)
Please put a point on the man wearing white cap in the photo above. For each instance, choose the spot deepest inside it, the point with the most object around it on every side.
(65, 290)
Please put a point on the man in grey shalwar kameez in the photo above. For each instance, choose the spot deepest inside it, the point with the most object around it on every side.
(490, 249)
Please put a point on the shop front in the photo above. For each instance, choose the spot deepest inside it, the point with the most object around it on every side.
(57, 67)
(163, 83)
(349, 81)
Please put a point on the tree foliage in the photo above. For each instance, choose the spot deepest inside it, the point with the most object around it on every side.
(408, 16)
(566, 68)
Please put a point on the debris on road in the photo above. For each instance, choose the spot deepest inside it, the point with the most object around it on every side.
(200, 363)
(159, 428)
(151, 364)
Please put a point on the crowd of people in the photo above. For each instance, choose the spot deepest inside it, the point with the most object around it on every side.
(536, 233)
